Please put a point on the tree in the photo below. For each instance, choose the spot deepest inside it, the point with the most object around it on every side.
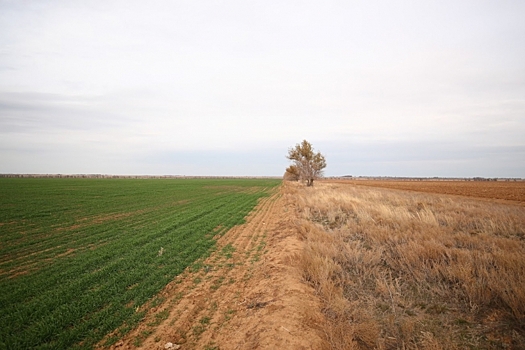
(308, 165)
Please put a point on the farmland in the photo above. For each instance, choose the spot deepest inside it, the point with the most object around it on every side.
(492, 190)
(79, 258)
(135, 263)
(413, 266)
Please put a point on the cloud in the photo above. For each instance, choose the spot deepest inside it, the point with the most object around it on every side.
(116, 83)
(42, 112)
(427, 159)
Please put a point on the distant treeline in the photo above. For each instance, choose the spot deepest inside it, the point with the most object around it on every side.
(106, 176)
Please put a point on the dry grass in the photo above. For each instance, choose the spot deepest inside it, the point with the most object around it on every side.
(412, 270)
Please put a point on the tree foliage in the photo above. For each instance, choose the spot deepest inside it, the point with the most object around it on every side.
(307, 165)
(291, 173)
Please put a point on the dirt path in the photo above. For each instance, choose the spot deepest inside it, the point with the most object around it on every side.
(246, 295)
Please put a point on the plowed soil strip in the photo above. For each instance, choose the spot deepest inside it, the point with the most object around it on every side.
(499, 191)
(246, 295)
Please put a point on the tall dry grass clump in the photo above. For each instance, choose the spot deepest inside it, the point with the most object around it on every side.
(412, 270)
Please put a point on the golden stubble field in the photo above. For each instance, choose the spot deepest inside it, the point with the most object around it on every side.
(419, 266)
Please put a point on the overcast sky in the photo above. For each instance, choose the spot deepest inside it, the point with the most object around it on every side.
(397, 88)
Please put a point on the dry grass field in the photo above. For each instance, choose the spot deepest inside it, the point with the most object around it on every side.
(415, 270)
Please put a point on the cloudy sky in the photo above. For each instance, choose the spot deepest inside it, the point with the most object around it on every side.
(398, 88)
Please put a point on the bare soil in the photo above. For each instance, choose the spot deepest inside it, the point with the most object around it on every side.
(249, 294)
(509, 191)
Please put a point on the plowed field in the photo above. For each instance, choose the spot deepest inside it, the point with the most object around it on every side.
(499, 190)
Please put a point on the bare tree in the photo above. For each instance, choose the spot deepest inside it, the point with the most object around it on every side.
(308, 165)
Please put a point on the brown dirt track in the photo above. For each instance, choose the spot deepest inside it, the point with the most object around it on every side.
(246, 295)
(493, 190)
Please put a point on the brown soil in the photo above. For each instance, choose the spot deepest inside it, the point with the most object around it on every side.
(247, 295)
(511, 191)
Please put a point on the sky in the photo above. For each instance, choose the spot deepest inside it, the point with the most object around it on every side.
(381, 88)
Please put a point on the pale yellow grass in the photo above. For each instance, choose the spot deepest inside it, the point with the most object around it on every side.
(411, 270)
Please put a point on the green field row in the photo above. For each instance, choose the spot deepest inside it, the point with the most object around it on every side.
(78, 257)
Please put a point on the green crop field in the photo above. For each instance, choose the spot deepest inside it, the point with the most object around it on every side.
(79, 257)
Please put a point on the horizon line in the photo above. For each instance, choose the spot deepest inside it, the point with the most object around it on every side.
(168, 176)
